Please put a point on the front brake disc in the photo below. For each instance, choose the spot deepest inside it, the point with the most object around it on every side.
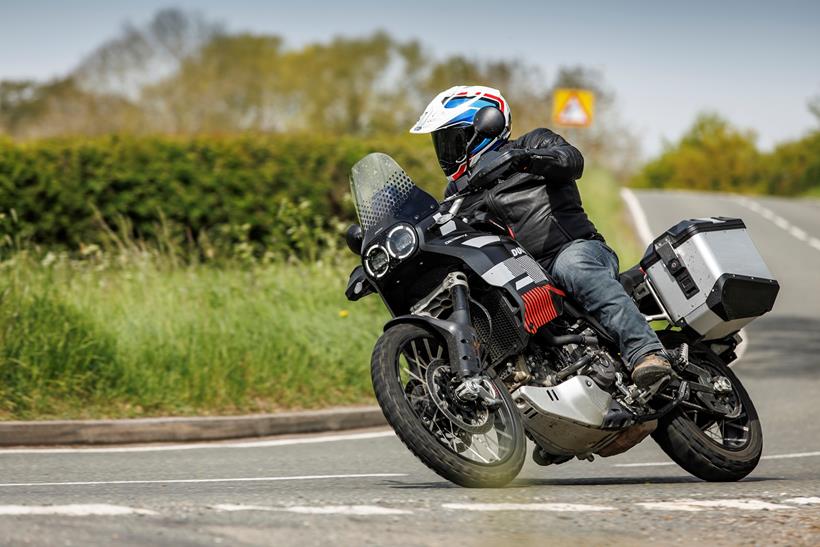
(472, 419)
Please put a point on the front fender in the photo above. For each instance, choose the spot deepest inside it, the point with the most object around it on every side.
(462, 340)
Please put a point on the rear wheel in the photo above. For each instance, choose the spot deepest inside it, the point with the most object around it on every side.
(714, 446)
(463, 442)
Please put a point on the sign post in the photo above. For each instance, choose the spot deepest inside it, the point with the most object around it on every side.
(573, 107)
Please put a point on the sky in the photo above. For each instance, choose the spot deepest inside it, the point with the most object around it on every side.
(756, 63)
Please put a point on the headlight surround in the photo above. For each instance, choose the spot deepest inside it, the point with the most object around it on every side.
(402, 241)
(376, 261)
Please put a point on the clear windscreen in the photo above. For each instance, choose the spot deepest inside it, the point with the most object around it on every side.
(380, 188)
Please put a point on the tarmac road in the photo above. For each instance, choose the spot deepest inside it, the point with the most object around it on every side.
(366, 488)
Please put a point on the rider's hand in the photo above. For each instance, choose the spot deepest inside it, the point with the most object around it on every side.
(535, 160)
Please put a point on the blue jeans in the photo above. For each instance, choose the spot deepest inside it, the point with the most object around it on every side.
(588, 270)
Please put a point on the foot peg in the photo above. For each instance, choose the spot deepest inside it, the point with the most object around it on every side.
(679, 356)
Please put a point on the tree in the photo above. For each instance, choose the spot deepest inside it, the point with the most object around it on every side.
(142, 54)
(230, 84)
(814, 107)
(711, 155)
(60, 107)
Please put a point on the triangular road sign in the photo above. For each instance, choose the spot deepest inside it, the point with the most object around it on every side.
(573, 112)
(573, 107)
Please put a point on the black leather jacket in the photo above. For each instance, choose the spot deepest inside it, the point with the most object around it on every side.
(538, 203)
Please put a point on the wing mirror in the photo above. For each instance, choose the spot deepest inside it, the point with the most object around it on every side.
(489, 122)
(353, 238)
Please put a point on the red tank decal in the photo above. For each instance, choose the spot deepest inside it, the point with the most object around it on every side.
(539, 309)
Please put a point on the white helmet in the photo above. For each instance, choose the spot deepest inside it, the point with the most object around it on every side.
(449, 117)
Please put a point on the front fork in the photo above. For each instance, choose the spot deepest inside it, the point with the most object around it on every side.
(465, 359)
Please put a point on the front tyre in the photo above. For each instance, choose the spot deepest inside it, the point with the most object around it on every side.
(710, 446)
(462, 442)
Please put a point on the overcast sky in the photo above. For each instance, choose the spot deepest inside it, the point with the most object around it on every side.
(755, 62)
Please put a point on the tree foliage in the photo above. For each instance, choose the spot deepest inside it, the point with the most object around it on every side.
(714, 155)
(184, 75)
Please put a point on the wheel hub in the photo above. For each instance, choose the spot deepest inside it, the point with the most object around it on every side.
(722, 384)
(469, 416)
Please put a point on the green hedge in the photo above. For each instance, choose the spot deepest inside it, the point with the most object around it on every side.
(714, 155)
(195, 186)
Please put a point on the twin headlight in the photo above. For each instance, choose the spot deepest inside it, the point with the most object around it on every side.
(401, 242)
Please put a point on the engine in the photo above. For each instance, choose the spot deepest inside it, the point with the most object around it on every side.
(549, 367)
(569, 399)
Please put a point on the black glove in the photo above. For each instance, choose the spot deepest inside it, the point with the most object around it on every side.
(538, 161)
(492, 167)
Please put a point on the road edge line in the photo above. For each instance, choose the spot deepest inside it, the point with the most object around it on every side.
(637, 216)
(186, 429)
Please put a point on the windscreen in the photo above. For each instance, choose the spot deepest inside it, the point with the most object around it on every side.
(380, 188)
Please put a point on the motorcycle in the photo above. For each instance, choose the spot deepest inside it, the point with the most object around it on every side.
(484, 350)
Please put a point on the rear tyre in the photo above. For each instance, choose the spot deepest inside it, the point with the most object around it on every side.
(711, 447)
(470, 447)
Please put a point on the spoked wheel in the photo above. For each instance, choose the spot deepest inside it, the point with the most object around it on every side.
(714, 436)
(463, 442)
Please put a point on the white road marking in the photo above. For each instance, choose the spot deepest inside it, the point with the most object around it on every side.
(699, 505)
(789, 456)
(782, 223)
(638, 216)
(556, 507)
(644, 464)
(74, 510)
(197, 481)
(686, 505)
(770, 457)
(798, 233)
(199, 446)
(348, 510)
(317, 510)
(803, 501)
(794, 231)
(669, 506)
(231, 507)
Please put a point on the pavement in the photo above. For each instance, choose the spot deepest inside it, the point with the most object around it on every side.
(365, 488)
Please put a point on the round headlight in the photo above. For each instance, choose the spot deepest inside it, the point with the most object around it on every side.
(376, 261)
(401, 241)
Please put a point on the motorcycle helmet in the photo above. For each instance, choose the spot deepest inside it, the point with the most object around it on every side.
(449, 117)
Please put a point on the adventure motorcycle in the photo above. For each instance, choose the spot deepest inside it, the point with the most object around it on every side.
(484, 350)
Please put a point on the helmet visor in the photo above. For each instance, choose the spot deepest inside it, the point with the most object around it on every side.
(451, 146)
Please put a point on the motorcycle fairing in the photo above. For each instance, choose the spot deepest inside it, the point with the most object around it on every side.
(500, 262)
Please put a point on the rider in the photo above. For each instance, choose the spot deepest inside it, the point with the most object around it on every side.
(540, 206)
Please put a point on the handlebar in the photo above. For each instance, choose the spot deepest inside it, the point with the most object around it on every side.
(490, 168)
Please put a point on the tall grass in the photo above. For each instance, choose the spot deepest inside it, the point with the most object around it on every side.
(128, 330)
(602, 202)
(78, 340)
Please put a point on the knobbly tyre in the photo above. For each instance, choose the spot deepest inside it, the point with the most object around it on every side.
(484, 350)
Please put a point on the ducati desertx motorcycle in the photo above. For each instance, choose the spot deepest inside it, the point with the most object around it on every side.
(484, 350)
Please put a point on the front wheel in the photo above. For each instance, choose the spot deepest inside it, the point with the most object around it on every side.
(713, 446)
(463, 442)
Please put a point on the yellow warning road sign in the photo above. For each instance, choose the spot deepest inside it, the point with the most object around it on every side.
(573, 107)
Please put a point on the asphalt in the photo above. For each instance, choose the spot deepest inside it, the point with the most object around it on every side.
(365, 488)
